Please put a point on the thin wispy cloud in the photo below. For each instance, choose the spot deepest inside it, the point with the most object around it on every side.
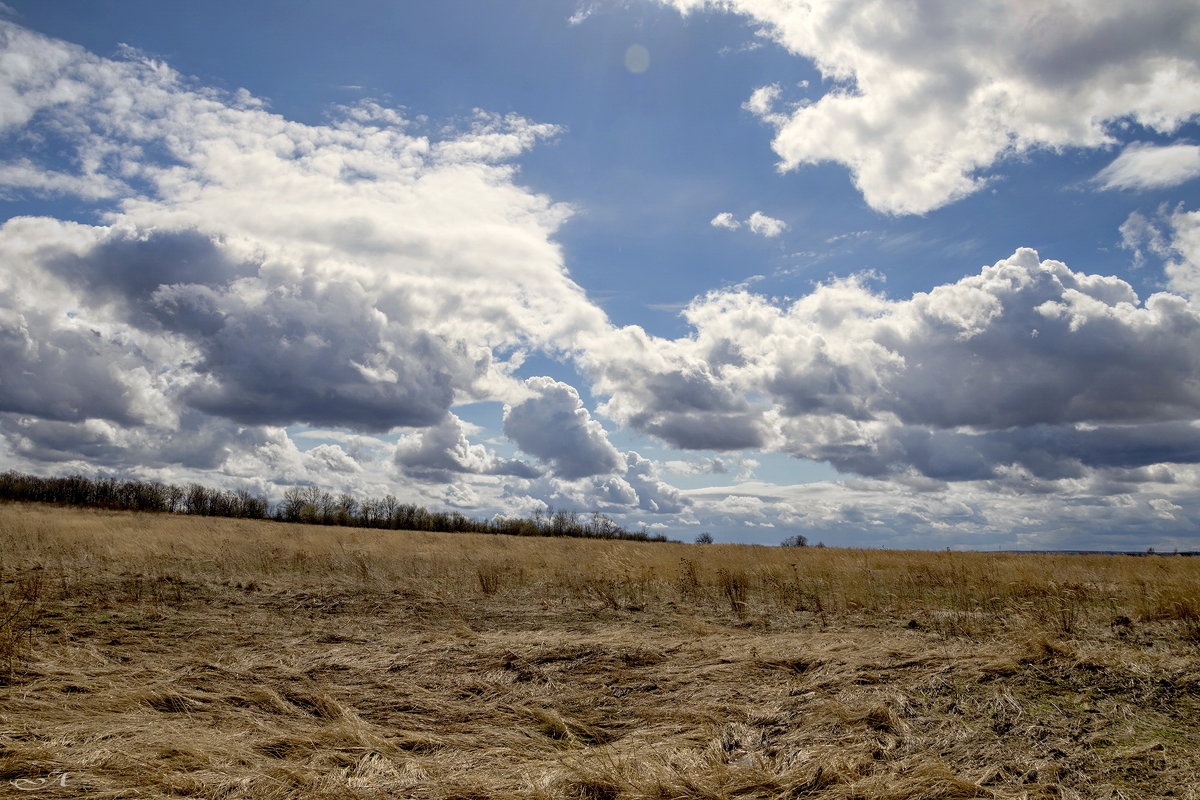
(1142, 166)
(581, 14)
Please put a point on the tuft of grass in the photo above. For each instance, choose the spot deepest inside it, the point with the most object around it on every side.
(489, 577)
(1178, 604)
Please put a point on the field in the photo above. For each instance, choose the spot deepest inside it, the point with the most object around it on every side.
(158, 656)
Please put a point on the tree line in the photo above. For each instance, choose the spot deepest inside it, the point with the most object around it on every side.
(307, 504)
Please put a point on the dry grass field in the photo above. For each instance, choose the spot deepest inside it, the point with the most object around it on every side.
(156, 656)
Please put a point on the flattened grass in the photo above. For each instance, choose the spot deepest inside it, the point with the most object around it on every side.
(167, 656)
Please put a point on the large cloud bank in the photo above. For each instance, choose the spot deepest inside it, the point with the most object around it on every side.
(246, 277)
(1028, 365)
(262, 271)
(252, 273)
(926, 97)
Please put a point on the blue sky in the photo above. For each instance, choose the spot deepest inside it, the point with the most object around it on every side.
(884, 276)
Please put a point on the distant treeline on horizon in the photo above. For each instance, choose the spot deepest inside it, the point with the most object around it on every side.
(306, 504)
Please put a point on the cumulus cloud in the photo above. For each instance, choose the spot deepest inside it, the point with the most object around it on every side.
(67, 353)
(636, 485)
(553, 426)
(1173, 236)
(247, 273)
(326, 458)
(725, 220)
(1140, 234)
(762, 102)
(253, 273)
(1107, 510)
(1183, 265)
(653, 493)
(442, 451)
(922, 104)
(664, 388)
(1145, 166)
(260, 272)
(310, 352)
(1028, 363)
(195, 443)
(24, 175)
(766, 226)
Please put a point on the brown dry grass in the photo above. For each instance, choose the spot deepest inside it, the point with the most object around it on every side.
(156, 656)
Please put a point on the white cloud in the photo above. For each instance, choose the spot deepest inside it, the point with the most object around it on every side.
(1138, 234)
(725, 220)
(353, 274)
(1172, 236)
(582, 12)
(653, 493)
(1027, 364)
(325, 458)
(715, 466)
(923, 104)
(553, 426)
(250, 273)
(757, 222)
(1144, 166)
(747, 47)
(709, 466)
(666, 389)
(358, 275)
(1108, 510)
(23, 174)
(766, 226)
(1183, 268)
(762, 102)
(441, 451)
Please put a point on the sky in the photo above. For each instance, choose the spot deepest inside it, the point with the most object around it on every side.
(917, 274)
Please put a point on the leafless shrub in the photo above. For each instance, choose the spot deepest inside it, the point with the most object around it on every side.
(688, 580)
(20, 611)
(489, 575)
(606, 590)
(735, 586)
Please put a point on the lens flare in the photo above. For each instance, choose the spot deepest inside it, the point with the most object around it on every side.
(637, 59)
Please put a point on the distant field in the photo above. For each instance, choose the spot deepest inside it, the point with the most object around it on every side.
(158, 656)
